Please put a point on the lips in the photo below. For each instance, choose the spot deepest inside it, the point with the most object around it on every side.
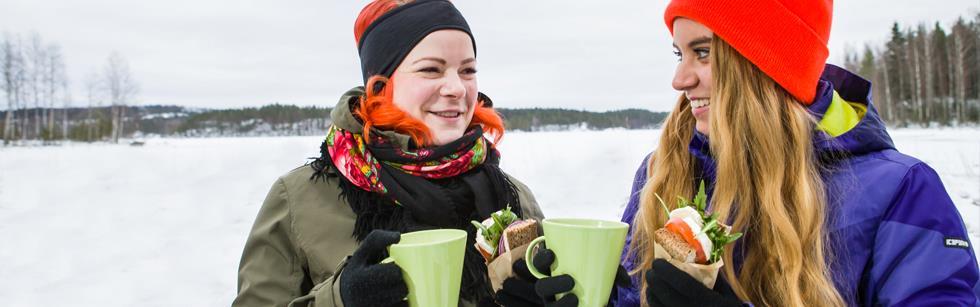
(447, 114)
(700, 103)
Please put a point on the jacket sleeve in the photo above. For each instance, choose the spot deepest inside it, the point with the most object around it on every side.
(631, 296)
(324, 294)
(272, 270)
(922, 254)
(529, 205)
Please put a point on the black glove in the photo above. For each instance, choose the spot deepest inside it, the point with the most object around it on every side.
(669, 286)
(366, 282)
(525, 290)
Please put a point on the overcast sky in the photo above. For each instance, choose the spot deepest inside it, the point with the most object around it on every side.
(593, 55)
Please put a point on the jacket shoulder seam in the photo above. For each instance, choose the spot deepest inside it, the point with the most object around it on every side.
(295, 262)
(879, 155)
(901, 192)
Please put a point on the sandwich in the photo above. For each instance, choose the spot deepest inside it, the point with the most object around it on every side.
(692, 236)
(502, 232)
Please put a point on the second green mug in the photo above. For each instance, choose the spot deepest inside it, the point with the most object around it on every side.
(588, 250)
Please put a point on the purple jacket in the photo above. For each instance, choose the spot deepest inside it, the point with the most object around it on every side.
(898, 238)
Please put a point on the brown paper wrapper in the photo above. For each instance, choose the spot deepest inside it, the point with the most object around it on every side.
(502, 267)
(707, 274)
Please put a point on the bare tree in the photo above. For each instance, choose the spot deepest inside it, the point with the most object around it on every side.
(888, 88)
(949, 77)
(66, 98)
(92, 89)
(36, 60)
(940, 80)
(5, 72)
(53, 77)
(958, 61)
(976, 31)
(916, 78)
(121, 89)
(927, 77)
(13, 86)
(976, 65)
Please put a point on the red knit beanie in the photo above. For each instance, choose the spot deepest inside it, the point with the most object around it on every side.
(786, 39)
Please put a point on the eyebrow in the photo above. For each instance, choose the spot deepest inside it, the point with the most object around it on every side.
(443, 62)
(698, 41)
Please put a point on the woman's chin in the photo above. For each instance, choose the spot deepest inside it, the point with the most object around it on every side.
(444, 137)
(702, 127)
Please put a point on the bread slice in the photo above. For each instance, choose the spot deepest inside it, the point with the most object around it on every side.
(675, 245)
(517, 234)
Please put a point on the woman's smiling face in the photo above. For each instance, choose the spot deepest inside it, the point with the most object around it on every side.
(436, 84)
(692, 45)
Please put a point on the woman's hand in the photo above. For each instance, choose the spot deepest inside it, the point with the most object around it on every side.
(669, 286)
(524, 290)
(366, 282)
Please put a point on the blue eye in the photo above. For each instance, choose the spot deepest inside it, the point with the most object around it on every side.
(702, 53)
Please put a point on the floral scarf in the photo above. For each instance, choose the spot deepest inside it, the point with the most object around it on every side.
(354, 159)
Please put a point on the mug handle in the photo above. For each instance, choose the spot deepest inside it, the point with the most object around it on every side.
(527, 258)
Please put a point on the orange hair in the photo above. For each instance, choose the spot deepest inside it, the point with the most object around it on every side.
(370, 13)
(377, 108)
(487, 117)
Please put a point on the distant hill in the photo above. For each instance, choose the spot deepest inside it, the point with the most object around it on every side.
(538, 119)
(280, 119)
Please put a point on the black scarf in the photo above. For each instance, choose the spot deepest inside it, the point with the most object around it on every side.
(430, 204)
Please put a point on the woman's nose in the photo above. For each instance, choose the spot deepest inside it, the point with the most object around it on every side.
(453, 87)
(684, 77)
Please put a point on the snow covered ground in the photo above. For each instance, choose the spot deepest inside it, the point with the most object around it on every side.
(164, 224)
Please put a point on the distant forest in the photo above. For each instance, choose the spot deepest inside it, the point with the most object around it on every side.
(925, 75)
(95, 124)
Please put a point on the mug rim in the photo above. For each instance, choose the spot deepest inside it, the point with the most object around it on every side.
(577, 222)
(456, 235)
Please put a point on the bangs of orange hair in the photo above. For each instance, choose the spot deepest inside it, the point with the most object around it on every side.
(370, 13)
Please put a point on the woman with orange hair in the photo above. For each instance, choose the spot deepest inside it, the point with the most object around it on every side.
(407, 151)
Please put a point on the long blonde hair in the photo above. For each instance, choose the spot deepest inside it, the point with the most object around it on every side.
(761, 138)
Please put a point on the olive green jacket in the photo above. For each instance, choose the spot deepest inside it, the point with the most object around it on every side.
(302, 236)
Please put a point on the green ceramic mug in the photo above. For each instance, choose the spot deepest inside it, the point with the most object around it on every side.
(432, 265)
(588, 250)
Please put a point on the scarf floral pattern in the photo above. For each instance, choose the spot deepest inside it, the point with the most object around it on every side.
(353, 158)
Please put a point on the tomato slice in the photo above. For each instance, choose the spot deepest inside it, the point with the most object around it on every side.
(679, 227)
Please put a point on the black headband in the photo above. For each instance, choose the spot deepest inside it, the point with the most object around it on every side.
(389, 39)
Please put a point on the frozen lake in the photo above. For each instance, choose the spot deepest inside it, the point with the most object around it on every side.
(164, 224)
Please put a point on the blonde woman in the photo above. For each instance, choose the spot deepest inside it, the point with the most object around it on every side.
(796, 157)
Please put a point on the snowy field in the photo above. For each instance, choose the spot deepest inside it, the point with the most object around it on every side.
(164, 224)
